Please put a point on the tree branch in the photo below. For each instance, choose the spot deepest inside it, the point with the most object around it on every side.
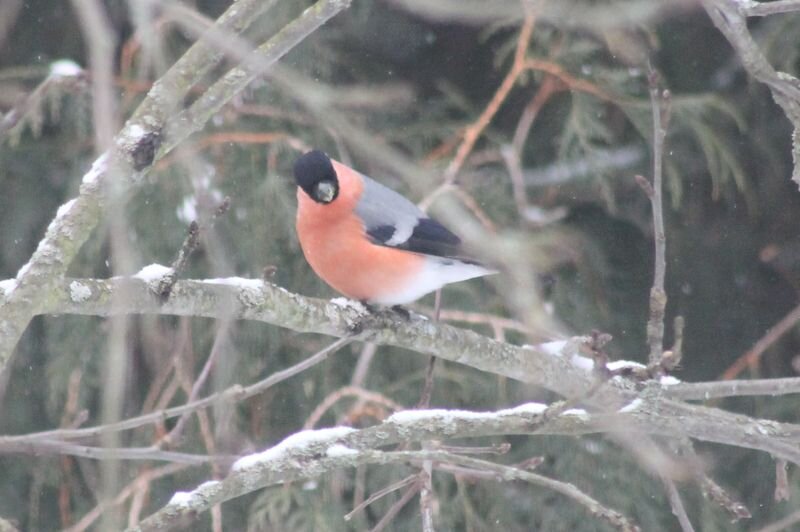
(729, 16)
(557, 366)
(136, 148)
(311, 453)
(752, 8)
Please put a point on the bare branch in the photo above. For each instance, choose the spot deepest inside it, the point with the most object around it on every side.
(782, 524)
(391, 488)
(739, 388)
(754, 354)
(658, 296)
(678, 510)
(729, 16)
(319, 456)
(100, 42)
(716, 493)
(557, 366)
(754, 8)
(136, 148)
(42, 447)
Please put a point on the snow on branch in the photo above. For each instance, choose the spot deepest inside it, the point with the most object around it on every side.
(311, 453)
(557, 366)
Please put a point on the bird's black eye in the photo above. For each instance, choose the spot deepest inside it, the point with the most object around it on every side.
(314, 173)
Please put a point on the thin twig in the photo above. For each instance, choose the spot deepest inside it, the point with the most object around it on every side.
(100, 42)
(738, 388)
(782, 524)
(233, 393)
(506, 473)
(42, 447)
(678, 510)
(222, 337)
(427, 497)
(782, 491)
(550, 86)
(363, 364)
(391, 488)
(719, 495)
(348, 391)
(473, 132)
(751, 358)
(148, 476)
(427, 388)
(69, 231)
(396, 507)
(189, 246)
(658, 296)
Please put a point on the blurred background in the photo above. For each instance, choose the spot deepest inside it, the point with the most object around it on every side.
(414, 77)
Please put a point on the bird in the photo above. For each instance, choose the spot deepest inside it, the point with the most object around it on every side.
(370, 243)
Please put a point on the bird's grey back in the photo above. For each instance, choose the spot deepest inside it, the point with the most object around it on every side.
(381, 207)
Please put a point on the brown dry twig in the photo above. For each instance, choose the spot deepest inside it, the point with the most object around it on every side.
(782, 491)
(751, 358)
(189, 246)
(348, 391)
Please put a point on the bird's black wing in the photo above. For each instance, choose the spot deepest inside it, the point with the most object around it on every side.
(393, 221)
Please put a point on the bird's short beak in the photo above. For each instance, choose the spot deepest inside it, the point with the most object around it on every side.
(325, 191)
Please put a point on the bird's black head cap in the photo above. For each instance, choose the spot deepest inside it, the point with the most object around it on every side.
(314, 173)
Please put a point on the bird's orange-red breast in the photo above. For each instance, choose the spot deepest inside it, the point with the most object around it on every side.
(369, 242)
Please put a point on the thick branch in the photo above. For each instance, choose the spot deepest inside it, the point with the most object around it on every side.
(136, 148)
(311, 453)
(738, 388)
(761, 9)
(557, 366)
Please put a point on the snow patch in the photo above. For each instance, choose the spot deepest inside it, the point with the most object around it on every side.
(65, 68)
(581, 362)
(64, 209)
(240, 282)
(98, 167)
(630, 407)
(152, 272)
(182, 498)
(616, 365)
(298, 442)
(24, 270)
(338, 450)
(79, 292)
(566, 349)
(187, 212)
(527, 408)
(135, 132)
(7, 286)
(552, 348)
(450, 416)
(577, 412)
(668, 380)
(209, 484)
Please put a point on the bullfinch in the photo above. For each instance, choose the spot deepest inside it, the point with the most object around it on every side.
(369, 242)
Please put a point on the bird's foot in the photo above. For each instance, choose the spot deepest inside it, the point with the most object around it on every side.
(388, 312)
(402, 311)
